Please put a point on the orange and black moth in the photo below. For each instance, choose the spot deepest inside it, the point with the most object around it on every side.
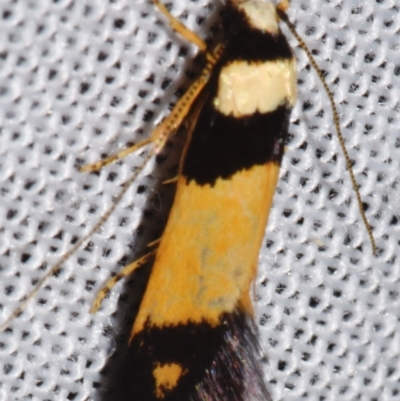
(194, 337)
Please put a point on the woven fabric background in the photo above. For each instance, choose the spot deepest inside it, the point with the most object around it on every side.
(81, 79)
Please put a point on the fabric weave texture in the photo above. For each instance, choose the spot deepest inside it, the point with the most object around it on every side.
(82, 79)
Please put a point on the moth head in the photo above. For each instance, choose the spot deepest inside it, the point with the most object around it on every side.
(260, 14)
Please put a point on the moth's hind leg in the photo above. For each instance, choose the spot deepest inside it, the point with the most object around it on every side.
(126, 271)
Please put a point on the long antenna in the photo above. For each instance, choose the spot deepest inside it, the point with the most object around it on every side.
(281, 8)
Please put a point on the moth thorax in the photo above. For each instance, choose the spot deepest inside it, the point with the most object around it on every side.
(260, 14)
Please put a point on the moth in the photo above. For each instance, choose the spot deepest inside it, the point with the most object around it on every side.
(194, 337)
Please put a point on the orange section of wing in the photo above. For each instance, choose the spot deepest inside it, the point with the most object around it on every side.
(207, 255)
(167, 377)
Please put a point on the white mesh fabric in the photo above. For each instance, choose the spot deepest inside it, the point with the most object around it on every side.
(79, 79)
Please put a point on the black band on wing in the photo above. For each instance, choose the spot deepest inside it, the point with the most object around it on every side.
(223, 145)
(221, 363)
(250, 44)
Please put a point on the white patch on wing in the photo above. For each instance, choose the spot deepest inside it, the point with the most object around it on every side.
(245, 88)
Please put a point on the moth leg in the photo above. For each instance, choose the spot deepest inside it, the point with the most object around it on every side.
(178, 27)
(154, 243)
(176, 116)
(172, 180)
(182, 107)
(126, 271)
(111, 159)
(170, 124)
